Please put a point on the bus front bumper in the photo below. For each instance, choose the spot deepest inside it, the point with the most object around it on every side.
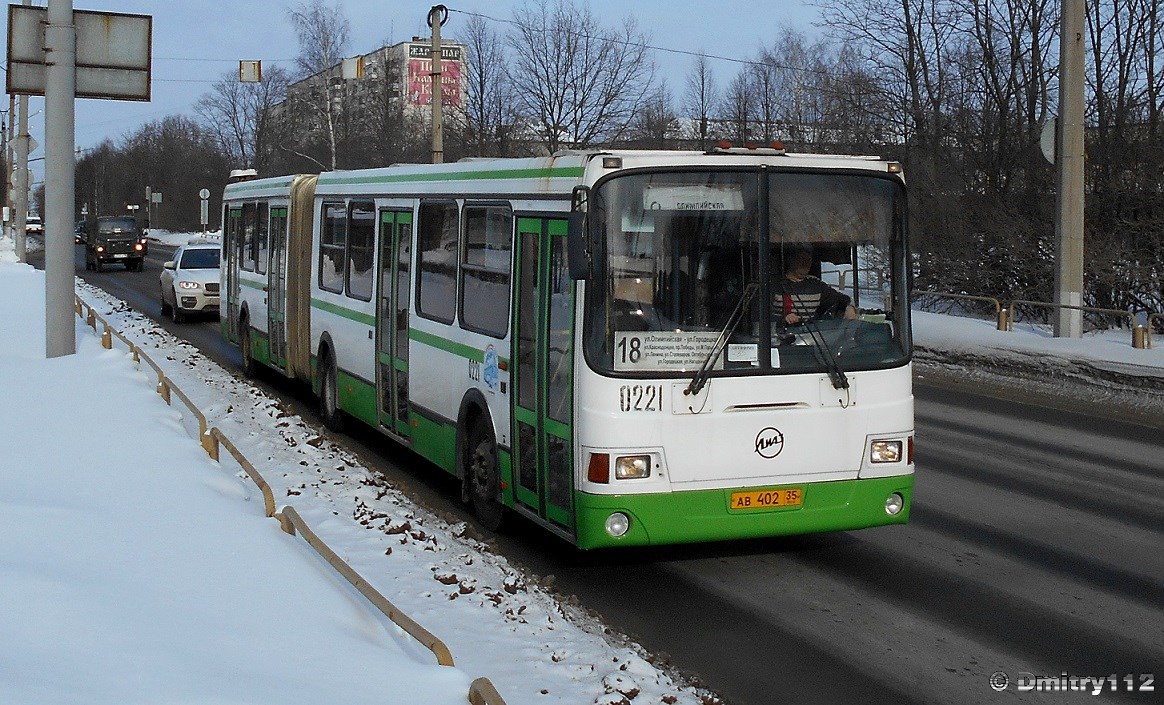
(706, 515)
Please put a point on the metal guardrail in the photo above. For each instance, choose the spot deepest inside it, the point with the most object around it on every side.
(1113, 312)
(1141, 335)
(1001, 313)
(481, 690)
(291, 522)
(217, 438)
(1152, 318)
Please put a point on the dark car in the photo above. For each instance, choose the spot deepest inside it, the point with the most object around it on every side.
(114, 239)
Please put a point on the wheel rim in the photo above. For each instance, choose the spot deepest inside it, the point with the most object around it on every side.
(484, 473)
(329, 405)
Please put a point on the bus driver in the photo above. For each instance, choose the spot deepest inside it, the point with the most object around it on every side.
(798, 296)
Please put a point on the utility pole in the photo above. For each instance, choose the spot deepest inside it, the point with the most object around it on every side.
(60, 190)
(437, 16)
(1069, 196)
(9, 161)
(20, 179)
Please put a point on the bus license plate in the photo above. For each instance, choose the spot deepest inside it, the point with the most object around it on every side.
(767, 499)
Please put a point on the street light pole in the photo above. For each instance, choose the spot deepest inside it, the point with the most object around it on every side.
(437, 17)
(60, 169)
(1069, 196)
(20, 180)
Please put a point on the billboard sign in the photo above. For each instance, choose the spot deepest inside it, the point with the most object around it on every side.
(420, 75)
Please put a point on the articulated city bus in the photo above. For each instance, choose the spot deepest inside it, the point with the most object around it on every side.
(607, 342)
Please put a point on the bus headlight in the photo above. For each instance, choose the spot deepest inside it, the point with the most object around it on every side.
(893, 504)
(885, 451)
(632, 467)
(617, 524)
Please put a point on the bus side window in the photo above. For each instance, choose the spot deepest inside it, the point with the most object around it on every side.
(485, 269)
(260, 257)
(246, 244)
(361, 244)
(437, 239)
(333, 242)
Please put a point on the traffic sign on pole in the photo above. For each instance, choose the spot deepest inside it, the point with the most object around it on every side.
(204, 194)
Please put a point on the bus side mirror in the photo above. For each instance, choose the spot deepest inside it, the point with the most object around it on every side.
(577, 252)
(579, 255)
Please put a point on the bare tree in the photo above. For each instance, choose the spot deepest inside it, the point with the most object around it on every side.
(576, 82)
(656, 126)
(739, 105)
(908, 43)
(486, 119)
(239, 115)
(175, 156)
(323, 31)
(701, 98)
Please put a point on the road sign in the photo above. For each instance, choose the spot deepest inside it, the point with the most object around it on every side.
(113, 53)
(204, 194)
(250, 71)
(1047, 140)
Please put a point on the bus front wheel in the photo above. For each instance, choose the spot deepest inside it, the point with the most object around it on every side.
(483, 477)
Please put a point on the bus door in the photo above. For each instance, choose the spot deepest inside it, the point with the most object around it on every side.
(277, 289)
(543, 322)
(232, 252)
(392, 320)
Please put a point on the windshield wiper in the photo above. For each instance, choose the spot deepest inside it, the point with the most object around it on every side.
(729, 328)
(832, 365)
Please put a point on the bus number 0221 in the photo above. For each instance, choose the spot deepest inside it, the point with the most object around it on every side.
(640, 397)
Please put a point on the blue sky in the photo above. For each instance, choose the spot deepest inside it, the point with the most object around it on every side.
(196, 41)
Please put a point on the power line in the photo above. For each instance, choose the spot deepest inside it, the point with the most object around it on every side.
(225, 61)
(668, 50)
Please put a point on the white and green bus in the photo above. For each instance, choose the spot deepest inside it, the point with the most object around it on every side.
(599, 341)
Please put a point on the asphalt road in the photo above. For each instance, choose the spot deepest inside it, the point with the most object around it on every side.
(1034, 548)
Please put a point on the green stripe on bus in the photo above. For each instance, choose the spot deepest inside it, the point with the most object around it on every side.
(239, 188)
(435, 441)
(573, 172)
(258, 286)
(260, 347)
(458, 349)
(347, 313)
(386, 359)
(557, 428)
(357, 397)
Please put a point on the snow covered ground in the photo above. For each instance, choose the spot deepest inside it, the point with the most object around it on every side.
(136, 570)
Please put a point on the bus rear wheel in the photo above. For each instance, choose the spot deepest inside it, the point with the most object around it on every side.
(333, 416)
(483, 477)
(244, 344)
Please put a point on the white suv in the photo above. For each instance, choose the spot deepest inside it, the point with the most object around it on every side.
(189, 283)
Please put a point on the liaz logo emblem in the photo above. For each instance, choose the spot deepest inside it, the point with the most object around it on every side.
(769, 442)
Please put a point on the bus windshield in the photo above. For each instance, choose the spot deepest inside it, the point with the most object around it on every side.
(824, 264)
